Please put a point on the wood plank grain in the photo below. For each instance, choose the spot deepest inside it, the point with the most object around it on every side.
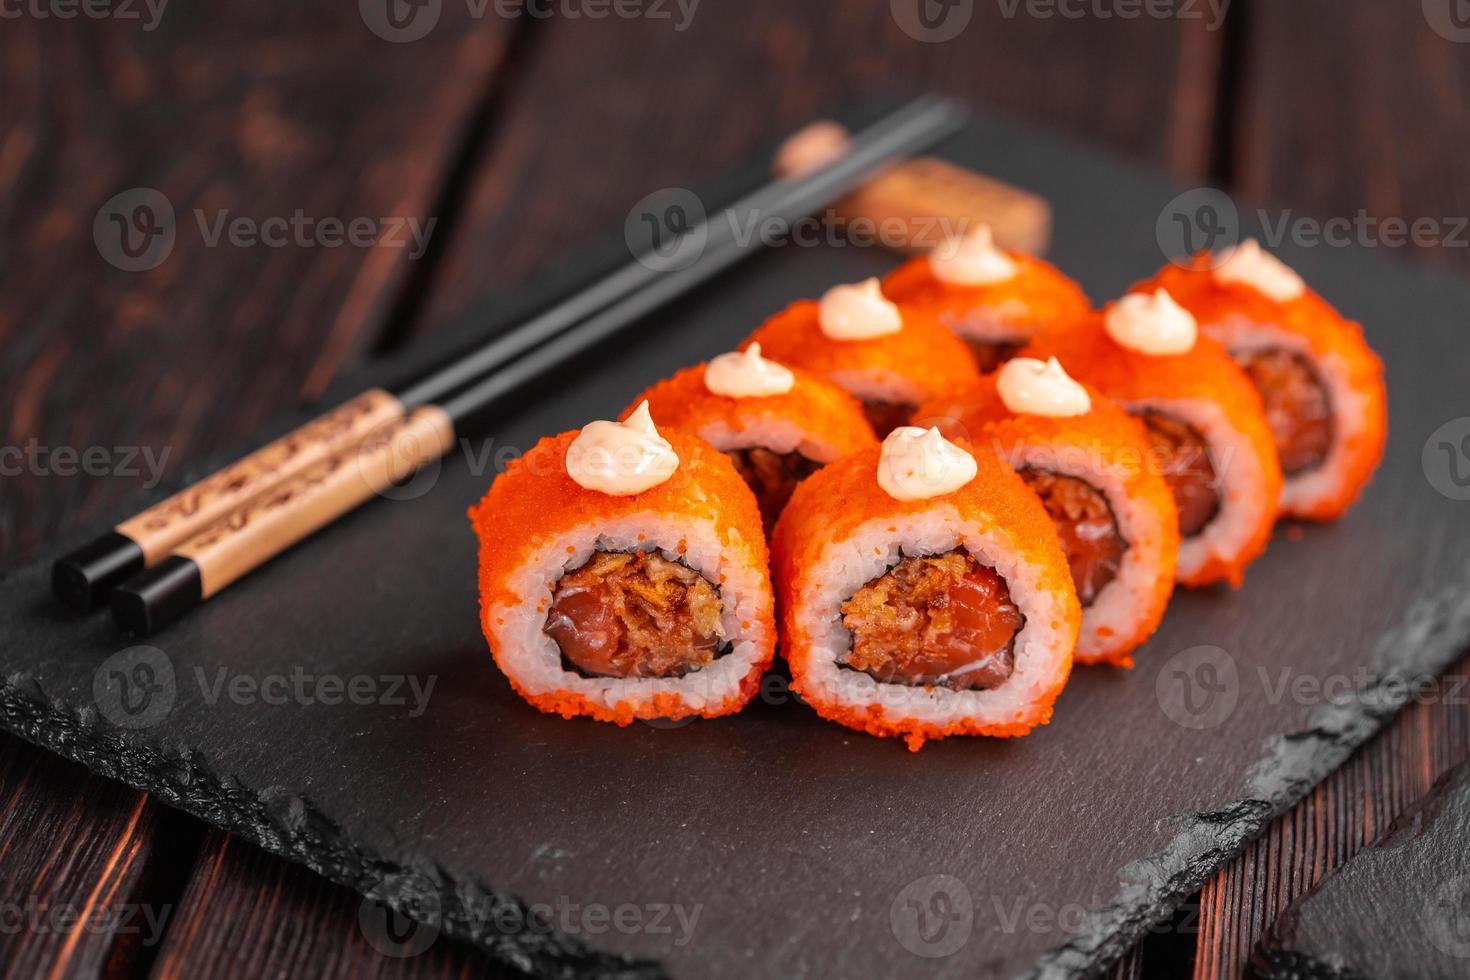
(249, 913)
(1351, 110)
(261, 113)
(1344, 109)
(79, 868)
(614, 109)
(257, 111)
(1348, 810)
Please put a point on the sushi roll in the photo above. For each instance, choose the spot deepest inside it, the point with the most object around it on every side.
(777, 424)
(1321, 384)
(924, 593)
(891, 361)
(623, 574)
(1088, 461)
(993, 299)
(1205, 424)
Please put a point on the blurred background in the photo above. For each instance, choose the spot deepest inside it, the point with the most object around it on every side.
(210, 212)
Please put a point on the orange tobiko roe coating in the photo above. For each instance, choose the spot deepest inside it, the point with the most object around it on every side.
(923, 352)
(1051, 299)
(832, 503)
(1204, 371)
(816, 405)
(978, 416)
(534, 501)
(1328, 335)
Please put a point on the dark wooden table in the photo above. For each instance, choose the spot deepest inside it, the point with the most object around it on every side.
(521, 136)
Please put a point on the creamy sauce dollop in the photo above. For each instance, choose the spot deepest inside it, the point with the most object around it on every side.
(1032, 387)
(857, 312)
(747, 375)
(917, 464)
(621, 458)
(1151, 323)
(972, 260)
(1248, 264)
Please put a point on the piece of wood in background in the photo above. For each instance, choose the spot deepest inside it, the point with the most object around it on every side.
(249, 913)
(259, 109)
(1348, 810)
(257, 112)
(751, 73)
(80, 882)
(1343, 107)
(1394, 911)
(1358, 107)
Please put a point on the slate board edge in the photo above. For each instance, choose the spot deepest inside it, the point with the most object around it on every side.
(1436, 630)
(1277, 957)
(292, 827)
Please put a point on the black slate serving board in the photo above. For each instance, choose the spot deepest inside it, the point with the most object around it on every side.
(772, 843)
(1398, 910)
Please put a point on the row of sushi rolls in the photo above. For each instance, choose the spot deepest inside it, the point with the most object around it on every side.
(947, 487)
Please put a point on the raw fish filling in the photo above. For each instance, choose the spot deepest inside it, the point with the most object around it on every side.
(1297, 406)
(1185, 461)
(943, 621)
(884, 417)
(772, 476)
(1085, 523)
(635, 614)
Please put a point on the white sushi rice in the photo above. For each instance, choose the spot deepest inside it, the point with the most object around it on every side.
(879, 386)
(534, 660)
(1238, 481)
(779, 435)
(994, 323)
(1042, 647)
(1124, 602)
(1349, 407)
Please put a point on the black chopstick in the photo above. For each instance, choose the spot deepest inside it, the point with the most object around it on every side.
(291, 509)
